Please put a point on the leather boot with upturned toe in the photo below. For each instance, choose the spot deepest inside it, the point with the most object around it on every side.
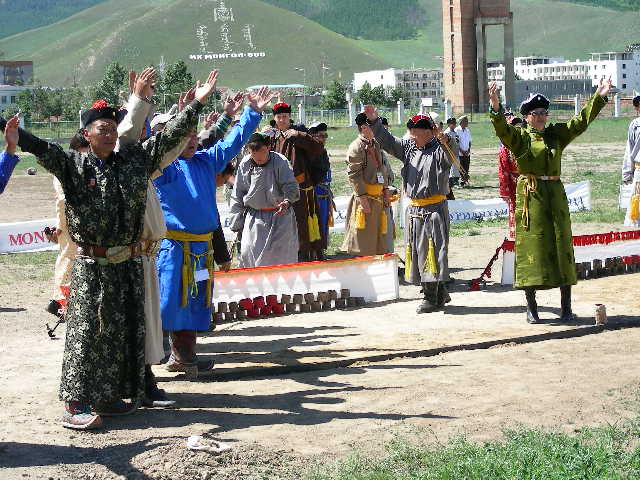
(532, 306)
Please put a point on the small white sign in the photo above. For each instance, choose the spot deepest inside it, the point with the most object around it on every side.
(201, 275)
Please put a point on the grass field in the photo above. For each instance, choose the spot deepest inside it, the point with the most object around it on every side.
(607, 452)
(136, 33)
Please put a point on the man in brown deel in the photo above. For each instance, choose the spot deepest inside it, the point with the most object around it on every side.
(302, 150)
(367, 231)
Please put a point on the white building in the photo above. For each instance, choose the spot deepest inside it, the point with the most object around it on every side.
(418, 82)
(622, 67)
(9, 94)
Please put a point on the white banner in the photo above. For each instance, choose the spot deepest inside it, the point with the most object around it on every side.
(625, 196)
(26, 236)
(13, 239)
(578, 196)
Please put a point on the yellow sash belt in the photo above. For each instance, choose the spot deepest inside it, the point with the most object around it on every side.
(188, 268)
(313, 224)
(375, 189)
(374, 192)
(423, 202)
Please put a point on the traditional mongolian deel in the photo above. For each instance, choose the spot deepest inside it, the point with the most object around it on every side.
(631, 173)
(187, 192)
(425, 176)
(366, 233)
(154, 228)
(266, 239)
(7, 163)
(105, 204)
(544, 253)
(67, 255)
(324, 197)
(300, 149)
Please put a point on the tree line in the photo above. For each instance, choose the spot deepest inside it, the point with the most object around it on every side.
(336, 96)
(42, 102)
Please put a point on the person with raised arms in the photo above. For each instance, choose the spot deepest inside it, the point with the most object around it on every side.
(543, 247)
(194, 241)
(106, 196)
(426, 159)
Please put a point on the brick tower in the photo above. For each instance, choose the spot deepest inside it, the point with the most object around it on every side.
(465, 46)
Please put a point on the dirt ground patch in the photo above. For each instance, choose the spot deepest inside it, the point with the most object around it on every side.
(280, 425)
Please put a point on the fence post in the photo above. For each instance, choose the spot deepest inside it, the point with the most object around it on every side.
(616, 105)
(400, 111)
(352, 112)
(447, 110)
(576, 105)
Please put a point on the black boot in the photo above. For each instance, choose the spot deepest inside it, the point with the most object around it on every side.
(303, 256)
(566, 314)
(532, 305)
(443, 295)
(154, 396)
(55, 308)
(430, 301)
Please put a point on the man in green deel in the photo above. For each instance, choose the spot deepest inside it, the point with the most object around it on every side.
(544, 248)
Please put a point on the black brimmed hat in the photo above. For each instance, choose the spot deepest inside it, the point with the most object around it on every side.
(99, 111)
(535, 100)
(316, 127)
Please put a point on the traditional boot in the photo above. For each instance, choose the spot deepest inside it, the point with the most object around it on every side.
(154, 396)
(430, 301)
(532, 305)
(443, 295)
(566, 314)
(116, 408)
(304, 256)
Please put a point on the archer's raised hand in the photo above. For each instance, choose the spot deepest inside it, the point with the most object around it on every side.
(210, 119)
(233, 104)
(186, 98)
(11, 135)
(260, 99)
(143, 84)
(605, 87)
(371, 112)
(494, 101)
(204, 91)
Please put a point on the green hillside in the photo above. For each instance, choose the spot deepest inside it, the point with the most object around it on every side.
(614, 4)
(139, 32)
(346, 17)
(547, 27)
(19, 16)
